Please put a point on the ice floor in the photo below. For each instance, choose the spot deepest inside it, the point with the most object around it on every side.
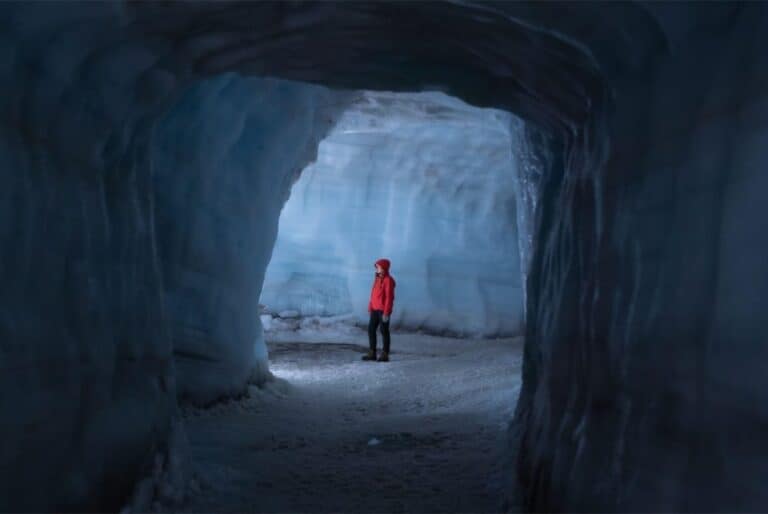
(425, 432)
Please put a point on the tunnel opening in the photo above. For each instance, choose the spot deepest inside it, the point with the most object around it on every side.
(438, 181)
(432, 184)
(558, 85)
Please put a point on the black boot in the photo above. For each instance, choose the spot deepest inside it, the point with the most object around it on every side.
(384, 357)
(370, 356)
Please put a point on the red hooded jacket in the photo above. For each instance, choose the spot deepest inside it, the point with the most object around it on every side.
(383, 290)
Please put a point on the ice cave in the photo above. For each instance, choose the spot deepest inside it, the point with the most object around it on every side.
(571, 195)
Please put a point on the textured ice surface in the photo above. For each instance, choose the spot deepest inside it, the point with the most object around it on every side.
(239, 144)
(424, 180)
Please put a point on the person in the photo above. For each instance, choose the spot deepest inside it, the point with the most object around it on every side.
(380, 308)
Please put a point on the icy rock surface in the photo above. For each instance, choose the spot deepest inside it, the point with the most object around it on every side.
(424, 180)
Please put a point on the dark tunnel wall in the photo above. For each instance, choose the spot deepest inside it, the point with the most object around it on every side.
(646, 332)
(643, 387)
(87, 382)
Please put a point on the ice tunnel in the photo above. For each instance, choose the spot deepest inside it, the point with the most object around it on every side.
(147, 151)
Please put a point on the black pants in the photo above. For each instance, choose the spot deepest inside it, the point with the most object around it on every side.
(375, 322)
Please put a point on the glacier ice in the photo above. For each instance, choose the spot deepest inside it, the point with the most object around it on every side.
(239, 143)
(428, 182)
(647, 280)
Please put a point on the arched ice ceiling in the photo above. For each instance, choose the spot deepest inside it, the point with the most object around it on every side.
(548, 65)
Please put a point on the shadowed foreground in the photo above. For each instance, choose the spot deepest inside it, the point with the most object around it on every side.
(423, 433)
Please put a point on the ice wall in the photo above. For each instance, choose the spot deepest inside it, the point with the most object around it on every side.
(226, 155)
(119, 168)
(424, 180)
(86, 376)
(644, 382)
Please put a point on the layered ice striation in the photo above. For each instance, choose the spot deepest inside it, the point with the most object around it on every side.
(238, 144)
(424, 180)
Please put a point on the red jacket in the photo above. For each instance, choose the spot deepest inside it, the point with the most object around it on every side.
(383, 290)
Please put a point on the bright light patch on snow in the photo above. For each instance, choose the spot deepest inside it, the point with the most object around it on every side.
(290, 374)
(424, 180)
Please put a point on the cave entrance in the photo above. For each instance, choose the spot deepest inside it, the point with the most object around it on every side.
(430, 183)
(424, 180)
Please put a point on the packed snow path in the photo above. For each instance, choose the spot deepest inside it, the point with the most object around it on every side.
(425, 432)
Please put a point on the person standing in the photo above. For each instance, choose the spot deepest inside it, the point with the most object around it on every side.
(380, 307)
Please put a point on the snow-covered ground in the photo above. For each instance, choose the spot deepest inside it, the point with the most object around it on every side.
(425, 432)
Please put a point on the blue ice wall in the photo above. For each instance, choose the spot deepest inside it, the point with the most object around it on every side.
(226, 155)
(424, 180)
